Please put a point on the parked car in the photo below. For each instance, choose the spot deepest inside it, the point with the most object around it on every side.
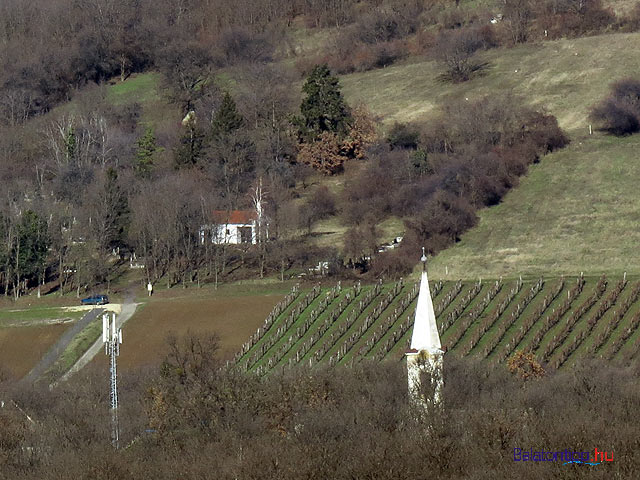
(95, 300)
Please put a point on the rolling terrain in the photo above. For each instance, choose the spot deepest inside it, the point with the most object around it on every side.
(573, 212)
(559, 320)
(569, 214)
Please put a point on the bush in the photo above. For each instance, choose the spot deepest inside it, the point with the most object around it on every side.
(615, 117)
(323, 202)
(403, 136)
(632, 22)
(443, 219)
(240, 45)
(383, 26)
(353, 56)
(456, 50)
(628, 92)
(574, 18)
(464, 160)
(619, 114)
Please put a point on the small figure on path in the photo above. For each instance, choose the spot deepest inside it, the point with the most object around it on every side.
(150, 288)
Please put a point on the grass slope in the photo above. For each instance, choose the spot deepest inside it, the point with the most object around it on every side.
(573, 212)
(564, 77)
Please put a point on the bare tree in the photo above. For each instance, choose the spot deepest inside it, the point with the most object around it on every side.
(456, 49)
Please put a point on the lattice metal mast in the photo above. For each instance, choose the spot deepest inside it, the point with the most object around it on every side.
(112, 338)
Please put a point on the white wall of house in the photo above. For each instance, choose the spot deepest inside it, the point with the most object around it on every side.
(231, 234)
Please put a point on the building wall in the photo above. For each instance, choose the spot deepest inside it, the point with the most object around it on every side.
(420, 362)
(230, 234)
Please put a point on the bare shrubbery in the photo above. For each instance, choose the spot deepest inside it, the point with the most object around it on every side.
(466, 159)
(124, 39)
(633, 21)
(574, 18)
(321, 204)
(375, 40)
(456, 49)
(239, 44)
(619, 114)
(193, 419)
(518, 16)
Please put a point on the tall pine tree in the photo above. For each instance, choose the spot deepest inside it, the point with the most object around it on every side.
(190, 149)
(323, 109)
(114, 219)
(146, 150)
(227, 118)
(30, 249)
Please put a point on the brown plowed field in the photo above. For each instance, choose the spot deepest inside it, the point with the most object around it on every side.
(22, 347)
(232, 318)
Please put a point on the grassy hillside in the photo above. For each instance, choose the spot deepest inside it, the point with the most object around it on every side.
(565, 77)
(563, 218)
(573, 212)
(559, 319)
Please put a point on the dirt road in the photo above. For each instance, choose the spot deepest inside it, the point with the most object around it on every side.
(56, 350)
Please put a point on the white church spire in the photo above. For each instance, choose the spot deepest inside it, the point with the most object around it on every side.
(425, 352)
(425, 331)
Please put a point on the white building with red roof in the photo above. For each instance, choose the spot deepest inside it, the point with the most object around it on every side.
(232, 227)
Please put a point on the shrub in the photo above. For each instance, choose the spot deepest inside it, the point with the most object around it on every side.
(575, 18)
(518, 14)
(632, 22)
(456, 50)
(525, 366)
(628, 91)
(467, 158)
(323, 202)
(403, 136)
(444, 217)
(619, 114)
(240, 45)
(615, 117)
(351, 55)
(383, 26)
(324, 155)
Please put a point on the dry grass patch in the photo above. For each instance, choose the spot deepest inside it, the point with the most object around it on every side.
(564, 77)
(21, 348)
(233, 318)
(575, 211)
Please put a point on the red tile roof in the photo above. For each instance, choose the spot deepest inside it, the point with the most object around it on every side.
(240, 217)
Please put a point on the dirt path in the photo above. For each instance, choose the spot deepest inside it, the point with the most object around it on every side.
(63, 342)
(127, 311)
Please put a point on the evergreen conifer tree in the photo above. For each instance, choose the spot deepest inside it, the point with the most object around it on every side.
(116, 212)
(227, 118)
(146, 150)
(70, 145)
(30, 249)
(323, 109)
(191, 146)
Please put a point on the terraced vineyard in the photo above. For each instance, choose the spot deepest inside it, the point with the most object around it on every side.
(559, 320)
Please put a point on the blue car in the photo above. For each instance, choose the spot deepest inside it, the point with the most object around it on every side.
(95, 300)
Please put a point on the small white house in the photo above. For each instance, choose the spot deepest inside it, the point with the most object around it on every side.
(232, 227)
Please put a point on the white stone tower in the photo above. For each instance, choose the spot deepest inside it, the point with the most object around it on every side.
(425, 353)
